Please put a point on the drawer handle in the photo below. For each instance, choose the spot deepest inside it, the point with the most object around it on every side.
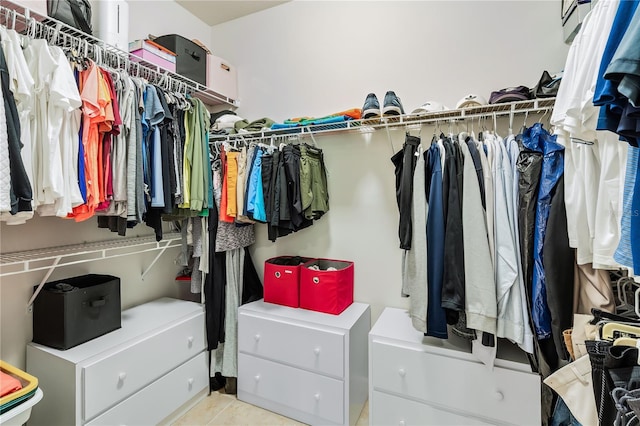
(316, 351)
(257, 377)
(190, 382)
(122, 376)
(317, 396)
(499, 396)
(190, 341)
(402, 372)
(257, 337)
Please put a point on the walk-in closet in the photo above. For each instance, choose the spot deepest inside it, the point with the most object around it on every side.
(319, 212)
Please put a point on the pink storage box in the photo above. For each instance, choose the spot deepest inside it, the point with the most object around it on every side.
(147, 52)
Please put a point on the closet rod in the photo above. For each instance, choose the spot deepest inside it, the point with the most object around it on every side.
(34, 25)
(534, 106)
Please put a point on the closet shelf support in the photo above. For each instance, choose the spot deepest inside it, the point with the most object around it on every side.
(153, 262)
(42, 282)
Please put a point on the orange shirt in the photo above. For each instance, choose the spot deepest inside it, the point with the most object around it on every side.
(94, 102)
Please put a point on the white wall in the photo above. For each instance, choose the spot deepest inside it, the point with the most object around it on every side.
(160, 17)
(318, 57)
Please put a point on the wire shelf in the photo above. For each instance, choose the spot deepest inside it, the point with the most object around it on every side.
(40, 259)
(533, 106)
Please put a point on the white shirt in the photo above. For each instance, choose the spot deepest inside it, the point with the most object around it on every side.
(59, 184)
(480, 287)
(591, 171)
(508, 291)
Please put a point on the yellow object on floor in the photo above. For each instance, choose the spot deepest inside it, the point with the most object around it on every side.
(28, 382)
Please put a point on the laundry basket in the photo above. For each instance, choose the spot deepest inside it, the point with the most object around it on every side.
(15, 407)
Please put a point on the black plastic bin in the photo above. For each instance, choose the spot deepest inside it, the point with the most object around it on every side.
(191, 59)
(72, 311)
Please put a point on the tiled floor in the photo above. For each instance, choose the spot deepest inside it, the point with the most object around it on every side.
(221, 409)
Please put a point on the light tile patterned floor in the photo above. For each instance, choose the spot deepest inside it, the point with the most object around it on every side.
(222, 409)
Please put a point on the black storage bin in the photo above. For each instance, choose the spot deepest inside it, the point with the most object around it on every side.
(191, 59)
(87, 307)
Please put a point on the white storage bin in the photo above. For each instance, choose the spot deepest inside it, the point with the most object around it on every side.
(222, 77)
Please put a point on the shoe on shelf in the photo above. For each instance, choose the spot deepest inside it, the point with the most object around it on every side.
(392, 104)
(371, 107)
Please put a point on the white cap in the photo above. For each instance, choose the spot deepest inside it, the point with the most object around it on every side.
(429, 106)
(471, 100)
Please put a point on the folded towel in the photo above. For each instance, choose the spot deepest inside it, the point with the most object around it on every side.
(8, 384)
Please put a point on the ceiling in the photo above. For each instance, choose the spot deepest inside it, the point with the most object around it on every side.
(215, 12)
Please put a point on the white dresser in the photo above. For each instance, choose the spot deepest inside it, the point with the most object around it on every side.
(417, 380)
(149, 371)
(306, 365)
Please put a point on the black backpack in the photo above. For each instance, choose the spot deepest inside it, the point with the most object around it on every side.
(76, 13)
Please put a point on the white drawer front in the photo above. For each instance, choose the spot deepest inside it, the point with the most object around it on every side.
(467, 387)
(390, 410)
(112, 379)
(155, 402)
(312, 393)
(310, 348)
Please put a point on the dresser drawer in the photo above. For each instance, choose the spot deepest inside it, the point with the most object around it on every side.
(115, 377)
(312, 393)
(390, 410)
(310, 348)
(462, 385)
(171, 390)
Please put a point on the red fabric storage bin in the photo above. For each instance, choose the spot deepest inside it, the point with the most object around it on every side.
(282, 279)
(326, 291)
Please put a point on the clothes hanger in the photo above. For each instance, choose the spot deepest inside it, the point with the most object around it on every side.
(511, 114)
(612, 330)
(625, 307)
(626, 341)
(524, 123)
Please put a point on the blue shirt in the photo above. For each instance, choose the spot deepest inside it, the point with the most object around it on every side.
(606, 91)
(623, 253)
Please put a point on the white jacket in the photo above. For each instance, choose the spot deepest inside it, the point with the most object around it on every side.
(508, 290)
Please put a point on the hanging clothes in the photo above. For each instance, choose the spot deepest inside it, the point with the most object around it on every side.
(480, 288)
(436, 316)
(414, 265)
(453, 276)
(404, 162)
(513, 151)
(557, 255)
(20, 193)
(538, 139)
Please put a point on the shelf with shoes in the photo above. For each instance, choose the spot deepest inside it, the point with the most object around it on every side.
(412, 120)
(26, 21)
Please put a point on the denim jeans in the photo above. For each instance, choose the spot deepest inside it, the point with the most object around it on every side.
(562, 416)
